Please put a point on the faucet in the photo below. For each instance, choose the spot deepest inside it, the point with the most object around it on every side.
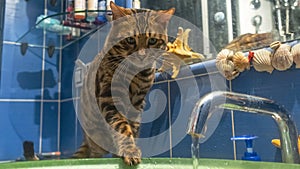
(213, 101)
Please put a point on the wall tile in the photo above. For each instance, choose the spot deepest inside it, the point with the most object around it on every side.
(50, 127)
(68, 129)
(21, 75)
(69, 57)
(20, 16)
(155, 131)
(51, 78)
(19, 122)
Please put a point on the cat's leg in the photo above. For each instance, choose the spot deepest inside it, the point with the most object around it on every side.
(128, 150)
(89, 149)
(124, 137)
(135, 127)
(83, 151)
(95, 150)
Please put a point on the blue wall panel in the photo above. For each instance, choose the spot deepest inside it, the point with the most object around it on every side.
(21, 75)
(19, 122)
(68, 129)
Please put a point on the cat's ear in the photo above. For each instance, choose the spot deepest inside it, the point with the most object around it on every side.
(165, 15)
(117, 11)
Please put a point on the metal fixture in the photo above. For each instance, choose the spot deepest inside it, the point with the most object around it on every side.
(256, 21)
(255, 4)
(219, 100)
(283, 10)
(219, 17)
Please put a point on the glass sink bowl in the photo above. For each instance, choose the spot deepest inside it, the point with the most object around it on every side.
(148, 163)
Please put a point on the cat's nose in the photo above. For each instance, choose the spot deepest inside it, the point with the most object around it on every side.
(142, 51)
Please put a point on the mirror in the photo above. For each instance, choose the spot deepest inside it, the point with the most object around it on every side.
(240, 25)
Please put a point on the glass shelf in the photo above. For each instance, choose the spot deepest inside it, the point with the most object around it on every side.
(56, 31)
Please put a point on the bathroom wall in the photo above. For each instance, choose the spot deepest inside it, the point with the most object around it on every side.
(29, 92)
(38, 104)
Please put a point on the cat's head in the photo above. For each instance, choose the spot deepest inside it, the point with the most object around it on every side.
(140, 33)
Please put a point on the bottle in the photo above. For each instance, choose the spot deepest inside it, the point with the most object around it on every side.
(108, 4)
(249, 155)
(92, 5)
(80, 5)
(136, 4)
(108, 13)
(128, 3)
(101, 15)
(70, 9)
(121, 3)
(102, 6)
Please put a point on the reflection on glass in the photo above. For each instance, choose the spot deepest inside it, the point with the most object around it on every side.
(254, 23)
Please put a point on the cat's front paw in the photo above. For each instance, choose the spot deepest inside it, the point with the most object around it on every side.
(132, 156)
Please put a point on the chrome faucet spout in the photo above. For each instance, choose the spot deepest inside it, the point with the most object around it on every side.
(220, 100)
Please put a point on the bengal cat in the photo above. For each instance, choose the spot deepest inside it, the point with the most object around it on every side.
(117, 82)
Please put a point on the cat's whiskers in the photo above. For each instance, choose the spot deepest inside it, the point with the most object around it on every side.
(113, 62)
(121, 69)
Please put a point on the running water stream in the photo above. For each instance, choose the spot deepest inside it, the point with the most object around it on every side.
(195, 151)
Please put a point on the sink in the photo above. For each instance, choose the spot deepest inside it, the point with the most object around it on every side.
(148, 163)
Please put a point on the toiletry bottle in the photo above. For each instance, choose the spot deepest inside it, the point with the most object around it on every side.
(108, 4)
(92, 5)
(70, 9)
(249, 155)
(80, 5)
(108, 13)
(101, 6)
(101, 15)
(136, 4)
(128, 3)
(121, 3)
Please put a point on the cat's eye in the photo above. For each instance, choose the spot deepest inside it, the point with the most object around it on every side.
(152, 41)
(130, 40)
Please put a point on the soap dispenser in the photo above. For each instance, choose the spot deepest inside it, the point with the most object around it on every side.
(249, 154)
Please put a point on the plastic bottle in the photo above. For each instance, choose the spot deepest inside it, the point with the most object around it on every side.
(108, 4)
(79, 5)
(92, 5)
(121, 3)
(128, 3)
(102, 6)
(249, 155)
(109, 14)
(70, 8)
(101, 15)
(136, 4)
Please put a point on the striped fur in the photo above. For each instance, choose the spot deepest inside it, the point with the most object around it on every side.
(123, 76)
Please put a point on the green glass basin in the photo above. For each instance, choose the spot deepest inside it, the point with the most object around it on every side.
(148, 163)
